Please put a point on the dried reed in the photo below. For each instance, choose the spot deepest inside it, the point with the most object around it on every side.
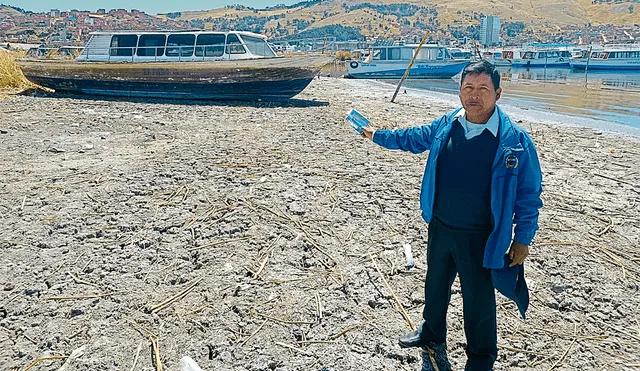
(10, 74)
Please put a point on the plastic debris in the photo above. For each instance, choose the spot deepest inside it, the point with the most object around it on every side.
(408, 255)
(188, 364)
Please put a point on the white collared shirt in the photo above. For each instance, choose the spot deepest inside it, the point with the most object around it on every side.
(473, 130)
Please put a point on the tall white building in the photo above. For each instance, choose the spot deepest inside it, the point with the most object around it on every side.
(490, 31)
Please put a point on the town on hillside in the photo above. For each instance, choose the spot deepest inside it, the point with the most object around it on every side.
(393, 23)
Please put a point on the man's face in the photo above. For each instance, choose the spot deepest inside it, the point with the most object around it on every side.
(478, 96)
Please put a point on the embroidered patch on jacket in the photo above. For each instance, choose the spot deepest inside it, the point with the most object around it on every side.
(511, 162)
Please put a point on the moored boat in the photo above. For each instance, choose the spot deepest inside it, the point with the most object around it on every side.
(231, 65)
(609, 58)
(540, 58)
(390, 62)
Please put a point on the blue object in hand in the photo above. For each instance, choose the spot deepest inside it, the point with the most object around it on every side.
(356, 120)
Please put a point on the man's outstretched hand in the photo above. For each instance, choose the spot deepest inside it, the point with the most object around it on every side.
(367, 132)
(518, 252)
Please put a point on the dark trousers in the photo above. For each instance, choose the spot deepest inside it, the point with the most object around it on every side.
(449, 252)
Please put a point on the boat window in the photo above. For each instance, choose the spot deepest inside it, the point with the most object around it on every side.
(258, 46)
(210, 45)
(599, 55)
(527, 55)
(440, 54)
(427, 54)
(233, 45)
(380, 54)
(123, 45)
(180, 45)
(407, 53)
(393, 54)
(151, 45)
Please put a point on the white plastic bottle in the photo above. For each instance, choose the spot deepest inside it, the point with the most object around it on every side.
(408, 256)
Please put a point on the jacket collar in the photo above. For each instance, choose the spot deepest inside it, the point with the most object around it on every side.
(507, 135)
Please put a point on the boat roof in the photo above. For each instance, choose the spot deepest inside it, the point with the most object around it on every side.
(410, 46)
(198, 31)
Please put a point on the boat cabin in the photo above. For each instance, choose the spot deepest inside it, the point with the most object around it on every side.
(406, 52)
(616, 54)
(174, 46)
(551, 54)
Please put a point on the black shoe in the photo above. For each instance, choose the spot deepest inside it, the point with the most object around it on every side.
(410, 340)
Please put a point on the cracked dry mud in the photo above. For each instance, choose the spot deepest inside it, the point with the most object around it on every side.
(242, 235)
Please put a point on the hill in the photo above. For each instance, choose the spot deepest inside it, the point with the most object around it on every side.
(393, 18)
(9, 11)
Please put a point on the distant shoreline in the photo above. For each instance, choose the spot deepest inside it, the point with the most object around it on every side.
(532, 115)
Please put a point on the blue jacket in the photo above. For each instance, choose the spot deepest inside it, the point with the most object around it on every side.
(516, 179)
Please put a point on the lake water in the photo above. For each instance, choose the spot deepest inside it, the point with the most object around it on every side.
(605, 100)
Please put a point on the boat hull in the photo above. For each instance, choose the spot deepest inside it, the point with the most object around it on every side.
(419, 70)
(540, 63)
(611, 66)
(255, 79)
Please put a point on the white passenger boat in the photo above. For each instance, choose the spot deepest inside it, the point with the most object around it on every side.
(231, 65)
(539, 58)
(614, 58)
(391, 62)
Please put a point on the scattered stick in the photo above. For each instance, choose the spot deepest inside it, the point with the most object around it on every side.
(318, 306)
(264, 263)
(606, 229)
(315, 342)
(617, 180)
(149, 333)
(563, 355)
(78, 280)
(212, 210)
(254, 334)
(85, 296)
(176, 297)
(266, 258)
(135, 359)
(285, 321)
(23, 201)
(156, 353)
(521, 350)
(333, 337)
(40, 359)
(194, 311)
(620, 331)
(218, 243)
(400, 307)
(294, 348)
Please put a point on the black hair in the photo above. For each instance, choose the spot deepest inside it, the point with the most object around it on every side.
(480, 67)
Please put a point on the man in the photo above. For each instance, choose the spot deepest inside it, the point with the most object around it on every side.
(482, 176)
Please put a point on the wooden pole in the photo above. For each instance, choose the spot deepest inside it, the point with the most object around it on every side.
(406, 73)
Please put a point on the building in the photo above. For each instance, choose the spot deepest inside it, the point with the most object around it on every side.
(490, 31)
(54, 13)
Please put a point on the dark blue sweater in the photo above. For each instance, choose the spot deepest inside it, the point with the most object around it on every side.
(463, 180)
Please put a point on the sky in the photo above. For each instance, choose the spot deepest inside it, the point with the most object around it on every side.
(148, 6)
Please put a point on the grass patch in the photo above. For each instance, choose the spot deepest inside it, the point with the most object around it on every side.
(10, 74)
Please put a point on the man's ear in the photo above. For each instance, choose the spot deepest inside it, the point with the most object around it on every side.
(498, 92)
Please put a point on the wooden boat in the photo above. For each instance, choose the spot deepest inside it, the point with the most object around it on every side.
(232, 65)
(391, 62)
